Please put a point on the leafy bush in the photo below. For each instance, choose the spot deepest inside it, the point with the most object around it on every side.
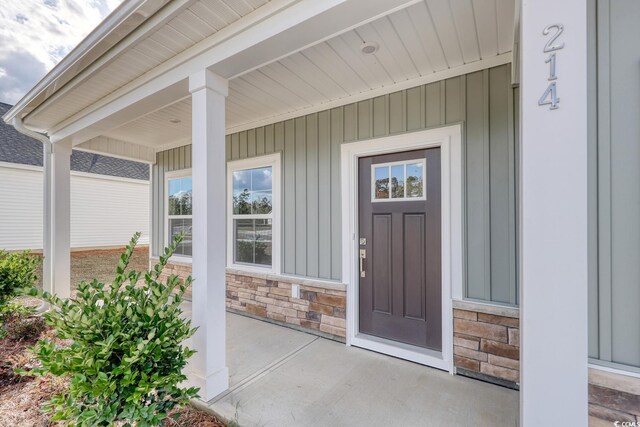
(17, 272)
(126, 355)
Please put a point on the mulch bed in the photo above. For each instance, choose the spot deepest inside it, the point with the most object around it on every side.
(21, 396)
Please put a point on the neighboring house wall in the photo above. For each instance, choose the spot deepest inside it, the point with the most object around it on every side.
(108, 211)
(310, 147)
(21, 218)
(105, 211)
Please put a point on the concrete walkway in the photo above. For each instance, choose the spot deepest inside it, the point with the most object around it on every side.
(282, 377)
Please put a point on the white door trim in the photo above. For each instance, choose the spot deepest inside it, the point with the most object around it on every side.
(449, 139)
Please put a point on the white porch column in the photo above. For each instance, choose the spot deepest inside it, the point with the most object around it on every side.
(57, 225)
(553, 203)
(208, 368)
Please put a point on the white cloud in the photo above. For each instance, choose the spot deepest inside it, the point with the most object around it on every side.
(36, 34)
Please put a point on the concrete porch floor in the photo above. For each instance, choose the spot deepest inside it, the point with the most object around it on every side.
(283, 377)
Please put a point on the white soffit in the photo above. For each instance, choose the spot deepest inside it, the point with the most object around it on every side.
(431, 37)
(195, 23)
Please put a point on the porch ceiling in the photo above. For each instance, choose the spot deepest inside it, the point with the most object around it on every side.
(417, 41)
(427, 38)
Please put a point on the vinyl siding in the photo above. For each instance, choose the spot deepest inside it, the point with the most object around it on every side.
(310, 147)
(615, 184)
(104, 211)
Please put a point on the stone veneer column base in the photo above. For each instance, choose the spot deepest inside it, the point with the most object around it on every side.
(486, 342)
(613, 397)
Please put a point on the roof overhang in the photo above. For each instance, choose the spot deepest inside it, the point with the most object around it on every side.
(120, 23)
(270, 34)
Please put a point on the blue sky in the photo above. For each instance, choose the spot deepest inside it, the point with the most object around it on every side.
(36, 34)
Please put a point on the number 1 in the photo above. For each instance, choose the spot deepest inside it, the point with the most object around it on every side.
(551, 60)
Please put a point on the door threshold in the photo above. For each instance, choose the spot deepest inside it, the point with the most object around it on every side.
(409, 352)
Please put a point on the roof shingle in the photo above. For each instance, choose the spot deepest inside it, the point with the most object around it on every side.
(18, 148)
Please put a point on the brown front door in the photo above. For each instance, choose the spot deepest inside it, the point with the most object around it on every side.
(399, 220)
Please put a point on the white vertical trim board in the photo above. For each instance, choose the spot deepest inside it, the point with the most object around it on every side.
(553, 216)
(449, 139)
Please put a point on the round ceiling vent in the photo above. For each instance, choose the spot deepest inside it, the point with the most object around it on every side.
(369, 48)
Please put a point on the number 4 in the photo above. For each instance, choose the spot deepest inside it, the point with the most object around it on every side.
(550, 97)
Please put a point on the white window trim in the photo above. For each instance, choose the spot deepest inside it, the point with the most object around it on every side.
(182, 173)
(449, 139)
(389, 165)
(273, 161)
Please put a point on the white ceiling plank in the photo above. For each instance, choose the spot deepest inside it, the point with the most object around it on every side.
(324, 57)
(505, 16)
(239, 6)
(223, 10)
(428, 36)
(179, 25)
(382, 56)
(411, 40)
(208, 15)
(313, 75)
(250, 101)
(397, 48)
(443, 21)
(464, 20)
(196, 25)
(258, 79)
(256, 3)
(347, 46)
(147, 48)
(171, 36)
(485, 12)
(284, 76)
(271, 99)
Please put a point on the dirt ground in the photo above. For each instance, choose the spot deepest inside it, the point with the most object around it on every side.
(101, 264)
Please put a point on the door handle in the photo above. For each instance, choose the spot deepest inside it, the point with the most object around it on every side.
(363, 255)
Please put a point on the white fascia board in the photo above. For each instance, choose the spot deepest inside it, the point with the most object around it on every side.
(129, 13)
(274, 31)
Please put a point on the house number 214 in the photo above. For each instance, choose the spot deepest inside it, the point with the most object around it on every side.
(550, 95)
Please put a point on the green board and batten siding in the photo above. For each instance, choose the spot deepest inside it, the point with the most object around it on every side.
(614, 285)
(310, 147)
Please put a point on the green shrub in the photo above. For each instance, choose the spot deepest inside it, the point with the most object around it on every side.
(17, 273)
(126, 355)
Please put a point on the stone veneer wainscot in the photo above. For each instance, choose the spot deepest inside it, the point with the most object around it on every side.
(486, 342)
(321, 308)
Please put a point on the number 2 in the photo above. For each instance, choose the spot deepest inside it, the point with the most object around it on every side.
(550, 47)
